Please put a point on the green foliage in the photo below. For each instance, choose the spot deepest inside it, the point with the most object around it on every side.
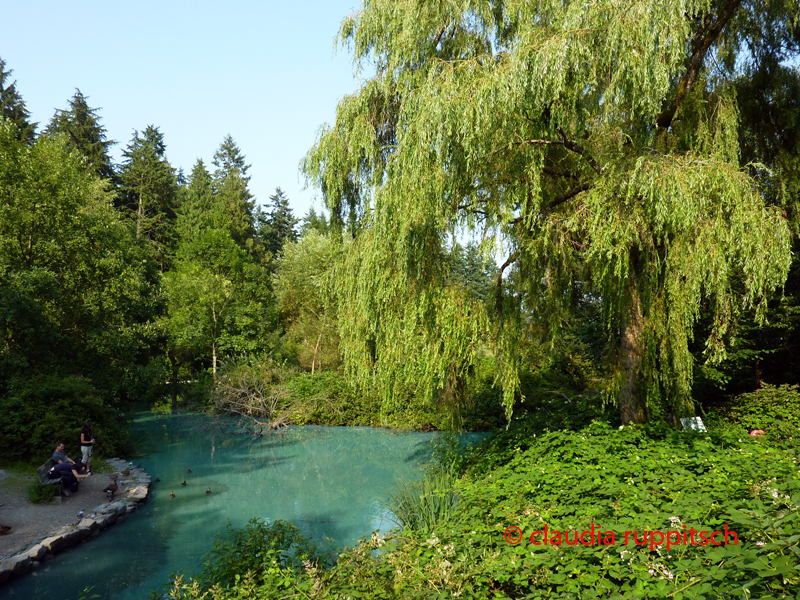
(256, 548)
(45, 409)
(301, 284)
(421, 505)
(12, 106)
(219, 300)
(76, 291)
(80, 125)
(277, 225)
(775, 409)
(40, 494)
(626, 479)
(149, 190)
(548, 130)
(232, 199)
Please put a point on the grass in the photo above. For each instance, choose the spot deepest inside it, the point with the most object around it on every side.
(421, 505)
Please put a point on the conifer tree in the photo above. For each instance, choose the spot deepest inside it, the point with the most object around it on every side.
(12, 106)
(81, 125)
(279, 223)
(149, 191)
(198, 209)
(230, 183)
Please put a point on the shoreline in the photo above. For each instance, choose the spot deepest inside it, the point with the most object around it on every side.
(33, 552)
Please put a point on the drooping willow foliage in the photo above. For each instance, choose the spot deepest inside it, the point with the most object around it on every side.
(588, 142)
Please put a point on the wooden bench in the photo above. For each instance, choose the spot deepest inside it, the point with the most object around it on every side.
(42, 473)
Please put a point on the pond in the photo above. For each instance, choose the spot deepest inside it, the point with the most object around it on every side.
(331, 482)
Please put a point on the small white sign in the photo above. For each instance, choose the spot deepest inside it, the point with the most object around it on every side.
(693, 424)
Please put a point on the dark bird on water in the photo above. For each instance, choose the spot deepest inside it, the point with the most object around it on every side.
(188, 470)
(158, 479)
(172, 494)
(139, 466)
(208, 491)
(184, 483)
(111, 488)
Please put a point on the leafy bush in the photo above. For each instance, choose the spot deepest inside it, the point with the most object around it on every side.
(44, 409)
(39, 494)
(776, 410)
(421, 505)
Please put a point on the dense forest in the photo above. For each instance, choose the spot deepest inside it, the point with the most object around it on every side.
(575, 221)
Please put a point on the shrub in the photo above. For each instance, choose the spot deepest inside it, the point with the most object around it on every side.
(775, 409)
(44, 409)
(39, 494)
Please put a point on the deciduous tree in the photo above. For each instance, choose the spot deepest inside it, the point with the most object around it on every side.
(593, 142)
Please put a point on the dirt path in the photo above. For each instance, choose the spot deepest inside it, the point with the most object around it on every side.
(29, 521)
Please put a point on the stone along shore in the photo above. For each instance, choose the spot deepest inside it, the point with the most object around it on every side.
(133, 490)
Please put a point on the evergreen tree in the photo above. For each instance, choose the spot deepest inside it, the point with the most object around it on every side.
(149, 191)
(602, 150)
(315, 222)
(229, 183)
(198, 209)
(12, 106)
(81, 125)
(278, 223)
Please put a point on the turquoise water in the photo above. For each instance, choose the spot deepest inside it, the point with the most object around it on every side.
(330, 481)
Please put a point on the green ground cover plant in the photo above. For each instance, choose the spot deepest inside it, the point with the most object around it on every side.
(632, 478)
(775, 409)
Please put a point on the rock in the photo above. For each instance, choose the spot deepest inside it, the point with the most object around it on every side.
(5, 572)
(35, 564)
(130, 508)
(87, 522)
(47, 557)
(18, 564)
(84, 533)
(37, 552)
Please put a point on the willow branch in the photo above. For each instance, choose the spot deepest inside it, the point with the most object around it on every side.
(701, 42)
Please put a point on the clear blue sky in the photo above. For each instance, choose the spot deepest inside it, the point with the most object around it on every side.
(265, 72)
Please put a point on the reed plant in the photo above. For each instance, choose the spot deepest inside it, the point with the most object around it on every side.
(421, 505)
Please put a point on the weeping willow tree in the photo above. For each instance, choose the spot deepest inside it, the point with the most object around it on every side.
(590, 142)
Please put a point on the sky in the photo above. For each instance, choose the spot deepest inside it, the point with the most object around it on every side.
(265, 72)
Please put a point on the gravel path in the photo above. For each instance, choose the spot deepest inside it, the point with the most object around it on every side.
(32, 521)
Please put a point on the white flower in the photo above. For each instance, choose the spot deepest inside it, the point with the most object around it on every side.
(674, 521)
(621, 426)
(759, 543)
(652, 571)
(433, 541)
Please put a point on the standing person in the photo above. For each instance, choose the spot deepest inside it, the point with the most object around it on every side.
(71, 474)
(87, 444)
(60, 455)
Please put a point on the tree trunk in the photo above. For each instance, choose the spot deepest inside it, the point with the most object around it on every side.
(214, 360)
(631, 405)
(139, 217)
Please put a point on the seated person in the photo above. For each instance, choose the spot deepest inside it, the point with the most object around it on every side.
(71, 474)
(60, 455)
